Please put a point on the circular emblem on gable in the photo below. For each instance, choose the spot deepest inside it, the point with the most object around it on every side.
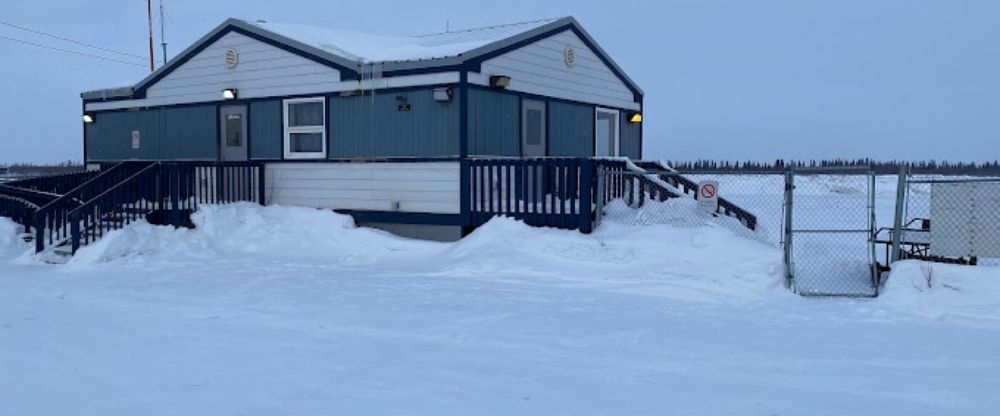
(570, 55)
(232, 58)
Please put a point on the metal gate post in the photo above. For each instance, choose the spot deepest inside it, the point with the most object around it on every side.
(789, 188)
(872, 228)
(897, 225)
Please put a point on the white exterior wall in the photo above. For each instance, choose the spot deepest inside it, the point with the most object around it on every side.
(263, 71)
(540, 68)
(431, 187)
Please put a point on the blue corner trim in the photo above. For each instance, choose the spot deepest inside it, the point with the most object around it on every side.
(465, 207)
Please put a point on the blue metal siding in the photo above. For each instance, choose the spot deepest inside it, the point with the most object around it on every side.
(109, 137)
(494, 123)
(170, 133)
(629, 142)
(365, 127)
(266, 130)
(571, 129)
(189, 133)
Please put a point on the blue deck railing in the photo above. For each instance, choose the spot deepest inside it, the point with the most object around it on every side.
(550, 192)
(18, 209)
(56, 184)
(51, 220)
(165, 193)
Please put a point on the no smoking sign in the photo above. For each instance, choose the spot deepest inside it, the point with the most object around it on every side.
(708, 195)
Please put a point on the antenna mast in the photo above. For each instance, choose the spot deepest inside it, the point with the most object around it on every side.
(163, 33)
(149, 15)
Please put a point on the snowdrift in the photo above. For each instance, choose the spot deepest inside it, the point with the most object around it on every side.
(232, 231)
(10, 244)
(938, 290)
(697, 261)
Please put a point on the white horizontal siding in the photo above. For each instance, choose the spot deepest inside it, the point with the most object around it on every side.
(263, 69)
(431, 187)
(540, 68)
(282, 87)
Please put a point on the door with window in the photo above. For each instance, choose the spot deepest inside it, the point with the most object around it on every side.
(533, 137)
(233, 132)
(606, 134)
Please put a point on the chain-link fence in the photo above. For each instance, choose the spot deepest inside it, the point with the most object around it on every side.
(830, 225)
(837, 226)
(748, 205)
(823, 219)
(954, 220)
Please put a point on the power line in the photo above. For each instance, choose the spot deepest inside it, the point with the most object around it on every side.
(38, 45)
(64, 39)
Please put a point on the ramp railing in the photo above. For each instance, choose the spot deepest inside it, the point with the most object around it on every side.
(56, 184)
(51, 220)
(165, 193)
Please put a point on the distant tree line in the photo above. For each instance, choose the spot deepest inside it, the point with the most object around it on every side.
(36, 169)
(879, 167)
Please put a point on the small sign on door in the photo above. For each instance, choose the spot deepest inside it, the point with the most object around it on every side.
(708, 195)
(135, 139)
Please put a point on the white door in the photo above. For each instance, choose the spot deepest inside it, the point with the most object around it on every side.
(606, 132)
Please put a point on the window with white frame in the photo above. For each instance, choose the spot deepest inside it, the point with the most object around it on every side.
(305, 128)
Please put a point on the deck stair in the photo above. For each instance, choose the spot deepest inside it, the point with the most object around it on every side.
(676, 185)
(60, 214)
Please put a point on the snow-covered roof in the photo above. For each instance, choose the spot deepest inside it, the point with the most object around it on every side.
(348, 50)
(367, 48)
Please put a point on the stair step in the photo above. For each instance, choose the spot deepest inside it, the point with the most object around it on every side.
(63, 250)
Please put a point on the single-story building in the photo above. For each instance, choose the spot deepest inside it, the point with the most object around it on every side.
(377, 126)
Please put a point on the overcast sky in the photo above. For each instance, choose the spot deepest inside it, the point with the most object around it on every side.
(888, 79)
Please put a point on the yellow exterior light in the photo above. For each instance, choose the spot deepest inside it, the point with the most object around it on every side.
(636, 118)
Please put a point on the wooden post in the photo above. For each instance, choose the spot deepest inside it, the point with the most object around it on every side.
(586, 193)
(174, 180)
(262, 199)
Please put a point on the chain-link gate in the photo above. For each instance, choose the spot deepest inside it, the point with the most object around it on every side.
(829, 232)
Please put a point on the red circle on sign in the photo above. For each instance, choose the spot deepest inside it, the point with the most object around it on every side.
(708, 191)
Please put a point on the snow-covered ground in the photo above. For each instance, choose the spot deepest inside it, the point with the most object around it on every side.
(291, 311)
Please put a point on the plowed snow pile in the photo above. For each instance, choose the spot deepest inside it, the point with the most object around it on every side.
(942, 290)
(263, 311)
(10, 244)
(654, 259)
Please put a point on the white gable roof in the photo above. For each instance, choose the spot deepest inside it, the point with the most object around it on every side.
(368, 48)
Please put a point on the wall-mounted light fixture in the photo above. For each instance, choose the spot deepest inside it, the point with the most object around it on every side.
(88, 118)
(635, 118)
(442, 94)
(230, 94)
(499, 81)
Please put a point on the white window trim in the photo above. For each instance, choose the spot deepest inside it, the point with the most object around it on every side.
(617, 128)
(289, 154)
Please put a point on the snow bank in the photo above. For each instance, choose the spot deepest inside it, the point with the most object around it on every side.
(275, 232)
(696, 263)
(939, 290)
(699, 261)
(11, 244)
